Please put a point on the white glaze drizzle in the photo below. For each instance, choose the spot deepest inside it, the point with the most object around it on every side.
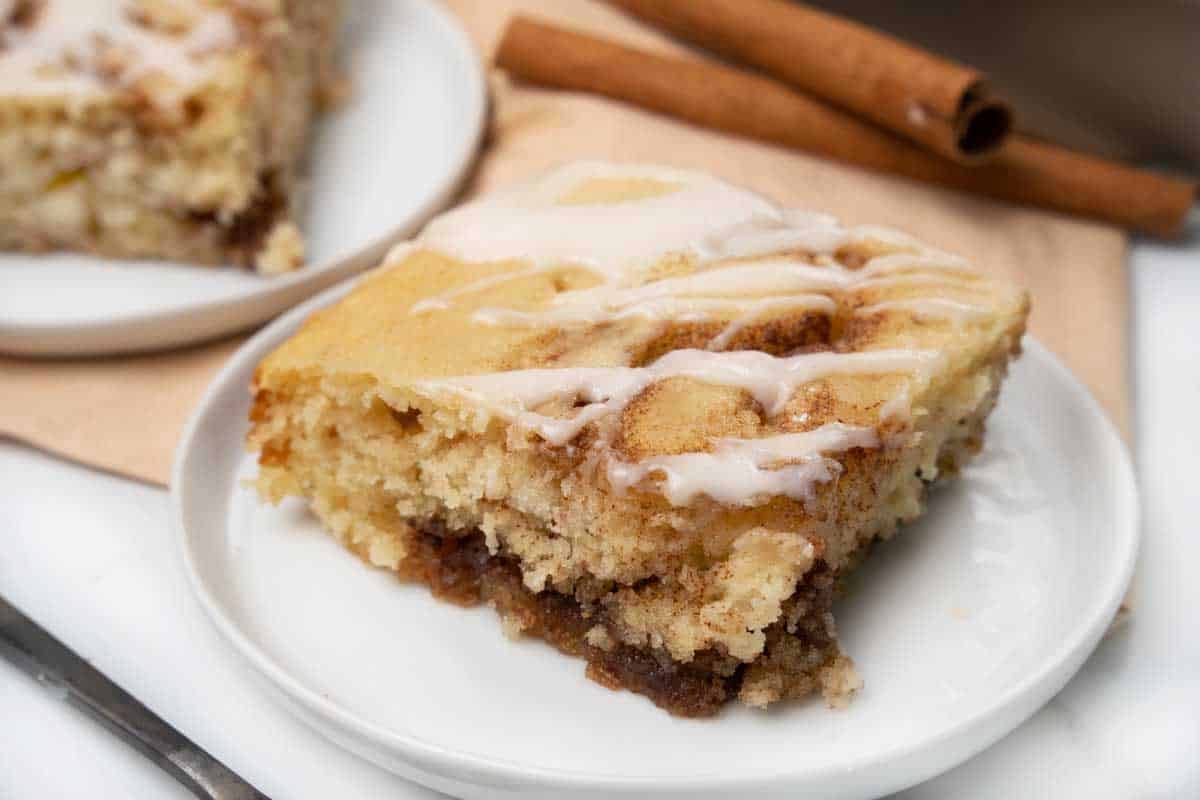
(71, 31)
(740, 288)
(617, 242)
(925, 258)
(663, 308)
(736, 288)
(886, 280)
(737, 280)
(787, 230)
(441, 301)
(746, 471)
(607, 390)
(528, 222)
(212, 33)
(930, 308)
(753, 311)
(896, 408)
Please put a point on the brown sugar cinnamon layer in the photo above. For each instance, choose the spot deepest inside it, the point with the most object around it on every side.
(801, 648)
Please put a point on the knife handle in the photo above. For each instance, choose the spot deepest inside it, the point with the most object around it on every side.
(60, 669)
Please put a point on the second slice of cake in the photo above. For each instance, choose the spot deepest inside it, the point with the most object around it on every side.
(648, 416)
(160, 128)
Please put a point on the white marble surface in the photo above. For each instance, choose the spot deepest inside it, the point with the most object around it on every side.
(90, 556)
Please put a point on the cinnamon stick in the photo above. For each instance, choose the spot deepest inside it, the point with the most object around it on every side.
(942, 105)
(727, 99)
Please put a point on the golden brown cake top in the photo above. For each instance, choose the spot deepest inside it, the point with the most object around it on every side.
(691, 329)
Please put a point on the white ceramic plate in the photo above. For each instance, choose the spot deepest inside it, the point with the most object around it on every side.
(962, 626)
(379, 167)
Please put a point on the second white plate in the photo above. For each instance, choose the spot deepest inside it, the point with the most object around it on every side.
(379, 167)
(962, 626)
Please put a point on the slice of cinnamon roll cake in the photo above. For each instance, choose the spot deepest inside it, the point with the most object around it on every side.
(647, 416)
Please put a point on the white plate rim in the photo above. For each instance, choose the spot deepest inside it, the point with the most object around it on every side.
(128, 332)
(988, 724)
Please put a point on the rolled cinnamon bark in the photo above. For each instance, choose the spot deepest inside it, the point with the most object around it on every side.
(738, 102)
(944, 106)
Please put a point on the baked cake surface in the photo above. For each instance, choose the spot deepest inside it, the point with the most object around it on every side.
(648, 416)
(159, 128)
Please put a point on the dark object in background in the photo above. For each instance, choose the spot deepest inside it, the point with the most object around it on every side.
(1115, 78)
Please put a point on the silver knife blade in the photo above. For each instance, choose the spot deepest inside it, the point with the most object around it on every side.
(54, 665)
